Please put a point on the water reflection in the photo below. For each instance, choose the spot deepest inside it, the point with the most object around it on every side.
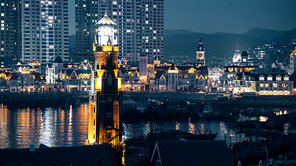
(52, 127)
(57, 127)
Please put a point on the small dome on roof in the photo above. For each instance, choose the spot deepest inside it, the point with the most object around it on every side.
(105, 20)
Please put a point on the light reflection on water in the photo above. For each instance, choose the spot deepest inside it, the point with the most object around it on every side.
(57, 127)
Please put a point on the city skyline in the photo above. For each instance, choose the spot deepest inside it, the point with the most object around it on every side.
(210, 16)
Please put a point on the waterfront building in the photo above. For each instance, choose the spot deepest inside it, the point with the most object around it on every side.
(214, 77)
(143, 68)
(192, 76)
(180, 78)
(229, 72)
(69, 76)
(131, 79)
(105, 95)
(264, 81)
(22, 78)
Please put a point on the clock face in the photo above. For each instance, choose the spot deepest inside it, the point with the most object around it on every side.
(244, 60)
(200, 55)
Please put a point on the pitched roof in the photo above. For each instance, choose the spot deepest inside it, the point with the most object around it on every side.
(192, 153)
(105, 20)
(79, 155)
(58, 59)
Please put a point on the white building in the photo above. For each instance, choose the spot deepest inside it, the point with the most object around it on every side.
(292, 62)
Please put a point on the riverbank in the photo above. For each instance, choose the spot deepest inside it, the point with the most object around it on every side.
(42, 100)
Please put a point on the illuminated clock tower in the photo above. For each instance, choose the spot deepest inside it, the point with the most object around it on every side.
(105, 95)
(200, 54)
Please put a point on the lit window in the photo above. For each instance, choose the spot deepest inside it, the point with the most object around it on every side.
(42, 2)
(114, 2)
(2, 4)
(278, 78)
(84, 5)
(114, 13)
(147, 50)
(261, 85)
(286, 78)
(261, 78)
(269, 78)
(2, 25)
(27, 5)
(2, 14)
(275, 85)
(128, 31)
(266, 85)
(49, 2)
(50, 17)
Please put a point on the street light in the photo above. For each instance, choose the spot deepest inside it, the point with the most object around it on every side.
(266, 155)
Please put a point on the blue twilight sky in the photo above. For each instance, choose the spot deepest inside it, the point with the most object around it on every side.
(232, 16)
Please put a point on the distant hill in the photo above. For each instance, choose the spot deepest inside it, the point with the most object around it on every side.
(220, 44)
(264, 33)
(215, 44)
(177, 32)
(285, 38)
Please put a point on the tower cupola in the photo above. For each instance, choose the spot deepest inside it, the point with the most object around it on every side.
(105, 31)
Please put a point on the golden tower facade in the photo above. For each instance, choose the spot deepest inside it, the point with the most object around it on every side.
(105, 95)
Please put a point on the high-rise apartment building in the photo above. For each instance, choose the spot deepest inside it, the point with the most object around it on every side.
(139, 26)
(34, 29)
(45, 30)
(87, 15)
(10, 43)
(152, 29)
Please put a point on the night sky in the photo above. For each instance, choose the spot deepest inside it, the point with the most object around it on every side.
(232, 16)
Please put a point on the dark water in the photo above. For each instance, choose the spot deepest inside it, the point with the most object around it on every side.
(57, 127)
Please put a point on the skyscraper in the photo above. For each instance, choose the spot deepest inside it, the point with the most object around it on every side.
(10, 45)
(45, 30)
(87, 15)
(34, 29)
(139, 26)
(152, 29)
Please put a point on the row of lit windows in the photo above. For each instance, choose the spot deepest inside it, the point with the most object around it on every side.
(275, 85)
(278, 78)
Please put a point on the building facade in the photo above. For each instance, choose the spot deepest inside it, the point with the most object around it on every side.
(45, 30)
(10, 32)
(87, 15)
(139, 26)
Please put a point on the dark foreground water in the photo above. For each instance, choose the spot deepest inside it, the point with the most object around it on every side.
(57, 127)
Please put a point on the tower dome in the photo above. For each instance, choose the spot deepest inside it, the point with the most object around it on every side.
(106, 30)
